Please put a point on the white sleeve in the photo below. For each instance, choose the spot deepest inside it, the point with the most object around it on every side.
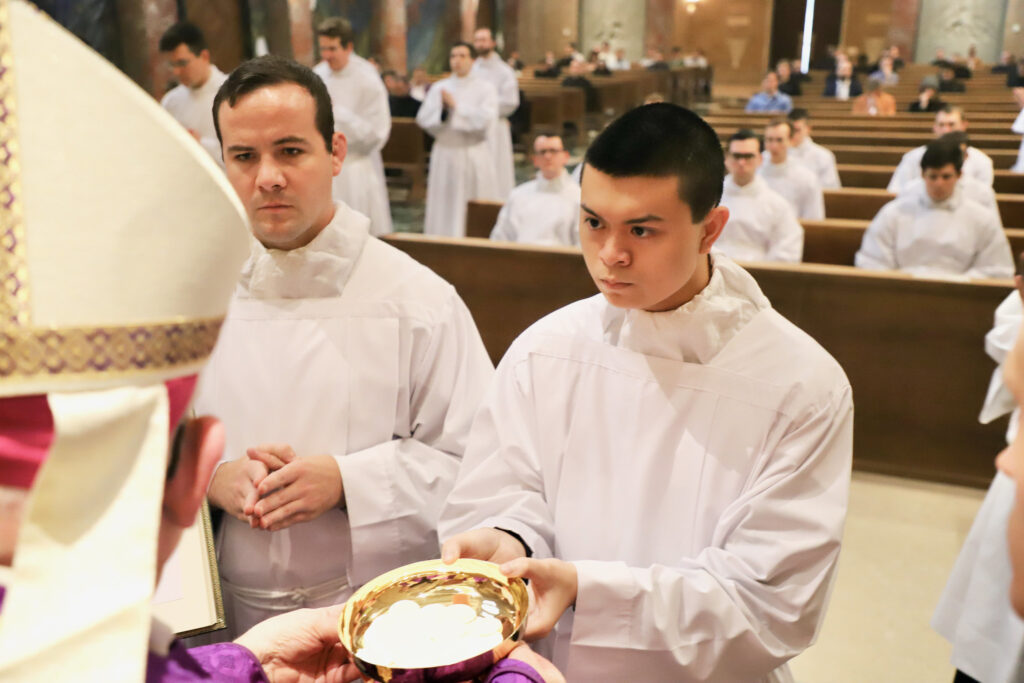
(787, 241)
(878, 247)
(503, 230)
(500, 483)
(394, 490)
(984, 171)
(904, 174)
(812, 205)
(429, 115)
(831, 180)
(475, 111)
(746, 604)
(508, 94)
(367, 130)
(993, 258)
(1018, 124)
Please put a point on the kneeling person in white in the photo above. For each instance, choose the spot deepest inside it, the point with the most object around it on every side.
(673, 452)
(545, 210)
(977, 164)
(359, 105)
(346, 375)
(937, 231)
(762, 225)
(458, 112)
(788, 177)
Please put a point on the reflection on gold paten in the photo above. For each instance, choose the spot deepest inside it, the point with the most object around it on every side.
(433, 582)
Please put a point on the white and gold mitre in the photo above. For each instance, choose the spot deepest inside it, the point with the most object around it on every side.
(120, 244)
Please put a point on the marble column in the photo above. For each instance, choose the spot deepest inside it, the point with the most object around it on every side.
(393, 32)
(660, 25)
(142, 23)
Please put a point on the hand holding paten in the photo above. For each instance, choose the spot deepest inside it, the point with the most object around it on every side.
(492, 545)
(553, 584)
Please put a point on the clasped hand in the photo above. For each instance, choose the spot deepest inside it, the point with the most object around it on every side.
(272, 488)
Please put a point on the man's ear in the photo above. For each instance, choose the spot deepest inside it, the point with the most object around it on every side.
(201, 447)
(712, 227)
(339, 148)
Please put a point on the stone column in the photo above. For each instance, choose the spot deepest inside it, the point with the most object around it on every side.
(467, 13)
(142, 22)
(393, 32)
(290, 29)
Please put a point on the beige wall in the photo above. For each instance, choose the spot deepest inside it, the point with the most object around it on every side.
(734, 35)
(866, 25)
(546, 25)
(1014, 40)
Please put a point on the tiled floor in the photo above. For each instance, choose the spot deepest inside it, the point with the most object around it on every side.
(901, 540)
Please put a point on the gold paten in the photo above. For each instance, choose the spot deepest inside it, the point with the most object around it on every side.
(431, 582)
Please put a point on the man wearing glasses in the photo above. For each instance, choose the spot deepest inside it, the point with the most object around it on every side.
(762, 225)
(546, 209)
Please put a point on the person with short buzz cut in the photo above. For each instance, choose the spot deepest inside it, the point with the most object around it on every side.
(976, 163)
(347, 374)
(762, 225)
(191, 101)
(361, 111)
(790, 178)
(770, 99)
(938, 231)
(458, 111)
(667, 461)
(489, 66)
(545, 210)
(820, 160)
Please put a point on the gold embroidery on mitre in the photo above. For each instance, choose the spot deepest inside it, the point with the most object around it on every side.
(90, 352)
(13, 268)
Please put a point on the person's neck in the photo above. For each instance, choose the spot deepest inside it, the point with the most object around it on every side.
(553, 173)
(305, 238)
(778, 160)
(741, 182)
(204, 79)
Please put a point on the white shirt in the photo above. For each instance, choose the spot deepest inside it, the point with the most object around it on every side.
(953, 238)
(761, 226)
(843, 88)
(974, 613)
(462, 164)
(820, 160)
(193, 109)
(972, 188)
(797, 185)
(503, 77)
(977, 164)
(693, 465)
(541, 211)
(361, 111)
(350, 348)
(1018, 128)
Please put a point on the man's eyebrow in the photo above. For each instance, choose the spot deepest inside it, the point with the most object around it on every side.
(239, 148)
(290, 140)
(649, 218)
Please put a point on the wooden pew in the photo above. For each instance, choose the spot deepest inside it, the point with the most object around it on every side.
(481, 215)
(912, 348)
(878, 176)
(866, 123)
(864, 203)
(884, 138)
(890, 156)
(405, 151)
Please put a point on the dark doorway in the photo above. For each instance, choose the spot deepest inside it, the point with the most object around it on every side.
(788, 29)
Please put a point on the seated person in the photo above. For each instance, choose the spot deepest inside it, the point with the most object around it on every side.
(820, 160)
(789, 83)
(667, 461)
(938, 232)
(885, 72)
(400, 101)
(544, 210)
(788, 177)
(842, 84)
(976, 164)
(798, 72)
(972, 188)
(576, 79)
(1006, 63)
(770, 98)
(761, 225)
(875, 102)
(514, 61)
(549, 68)
(948, 81)
(927, 99)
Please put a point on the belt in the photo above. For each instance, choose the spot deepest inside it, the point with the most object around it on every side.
(291, 598)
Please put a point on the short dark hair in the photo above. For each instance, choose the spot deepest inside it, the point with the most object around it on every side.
(546, 133)
(957, 136)
(336, 27)
(798, 114)
(185, 33)
(939, 153)
(746, 134)
(659, 140)
(953, 109)
(269, 70)
(462, 43)
(781, 122)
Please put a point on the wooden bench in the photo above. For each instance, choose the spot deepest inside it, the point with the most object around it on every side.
(912, 348)
(883, 138)
(878, 176)
(864, 203)
(890, 156)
